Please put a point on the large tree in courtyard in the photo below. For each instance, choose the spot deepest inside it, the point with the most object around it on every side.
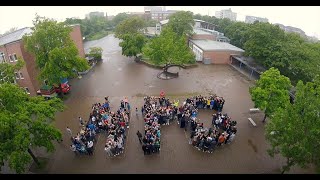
(271, 92)
(294, 131)
(130, 32)
(131, 25)
(56, 54)
(182, 23)
(25, 123)
(132, 44)
(169, 48)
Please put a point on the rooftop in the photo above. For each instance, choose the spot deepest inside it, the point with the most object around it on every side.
(199, 31)
(249, 61)
(209, 45)
(14, 36)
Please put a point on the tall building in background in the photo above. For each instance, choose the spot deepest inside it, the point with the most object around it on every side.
(252, 19)
(94, 14)
(153, 8)
(227, 13)
(292, 29)
(158, 13)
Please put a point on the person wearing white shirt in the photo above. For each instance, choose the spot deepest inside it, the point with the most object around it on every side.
(90, 147)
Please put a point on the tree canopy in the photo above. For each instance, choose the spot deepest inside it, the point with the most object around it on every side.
(130, 26)
(271, 92)
(132, 44)
(294, 131)
(130, 32)
(25, 123)
(56, 54)
(169, 48)
(96, 52)
(181, 23)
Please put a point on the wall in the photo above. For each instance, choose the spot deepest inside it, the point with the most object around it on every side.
(31, 67)
(15, 47)
(204, 36)
(77, 38)
(219, 57)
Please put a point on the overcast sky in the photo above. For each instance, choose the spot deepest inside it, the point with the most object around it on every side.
(306, 18)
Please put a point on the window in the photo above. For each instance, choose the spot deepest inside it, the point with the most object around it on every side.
(2, 57)
(15, 57)
(11, 58)
(21, 76)
(27, 90)
(17, 75)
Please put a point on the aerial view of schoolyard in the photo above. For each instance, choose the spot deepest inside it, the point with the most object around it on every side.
(158, 92)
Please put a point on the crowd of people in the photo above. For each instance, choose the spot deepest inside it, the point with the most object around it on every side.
(103, 120)
(156, 111)
(222, 131)
(116, 123)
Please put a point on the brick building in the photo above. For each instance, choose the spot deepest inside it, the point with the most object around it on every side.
(213, 52)
(12, 47)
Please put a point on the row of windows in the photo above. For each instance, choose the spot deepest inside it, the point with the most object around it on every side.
(12, 57)
(27, 90)
(19, 75)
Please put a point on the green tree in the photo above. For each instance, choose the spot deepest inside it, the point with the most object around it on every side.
(169, 48)
(7, 71)
(56, 54)
(130, 26)
(271, 92)
(151, 23)
(238, 33)
(294, 131)
(132, 44)
(182, 23)
(25, 124)
(119, 18)
(96, 52)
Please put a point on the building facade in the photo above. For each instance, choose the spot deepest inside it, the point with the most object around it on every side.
(95, 14)
(12, 47)
(227, 13)
(252, 19)
(291, 29)
(213, 52)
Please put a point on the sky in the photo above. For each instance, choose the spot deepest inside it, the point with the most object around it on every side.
(306, 18)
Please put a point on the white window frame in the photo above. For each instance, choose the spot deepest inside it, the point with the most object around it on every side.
(17, 75)
(27, 90)
(15, 57)
(21, 77)
(11, 58)
(3, 56)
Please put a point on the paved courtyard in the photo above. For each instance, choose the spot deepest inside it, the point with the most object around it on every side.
(117, 76)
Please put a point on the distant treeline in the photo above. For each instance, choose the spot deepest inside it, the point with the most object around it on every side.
(98, 27)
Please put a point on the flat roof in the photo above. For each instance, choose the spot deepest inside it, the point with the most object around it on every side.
(210, 45)
(199, 31)
(250, 62)
(14, 36)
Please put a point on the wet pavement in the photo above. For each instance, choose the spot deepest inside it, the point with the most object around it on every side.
(118, 76)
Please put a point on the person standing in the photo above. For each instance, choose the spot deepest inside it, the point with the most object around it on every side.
(74, 149)
(69, 131)
(81, 121)
(139, 136)
(137, 111)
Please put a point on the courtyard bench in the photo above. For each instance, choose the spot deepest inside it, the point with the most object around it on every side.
(252, 122)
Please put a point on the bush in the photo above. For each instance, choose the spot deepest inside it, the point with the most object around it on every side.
(96, 53)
